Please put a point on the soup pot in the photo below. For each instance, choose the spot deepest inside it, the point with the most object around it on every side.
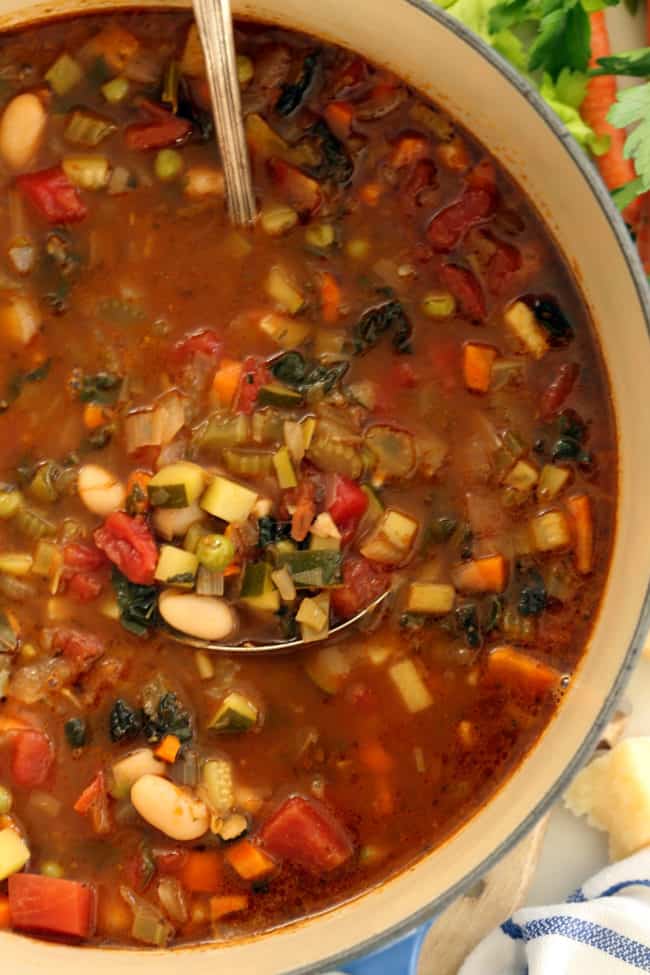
(440, 58)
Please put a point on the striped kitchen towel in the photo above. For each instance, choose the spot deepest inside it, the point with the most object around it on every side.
(603, 929)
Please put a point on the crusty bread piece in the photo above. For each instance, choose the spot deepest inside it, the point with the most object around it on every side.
(613, 791)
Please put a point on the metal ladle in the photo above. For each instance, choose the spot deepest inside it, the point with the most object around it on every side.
(248, 647)
(214, 23)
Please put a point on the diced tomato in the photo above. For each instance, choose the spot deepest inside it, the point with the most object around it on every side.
(51, 905)
(346, 502)
(404, 375)
(83, 558)
(301, 191)
(53, 195)
(129, 544)
(163, 129)
(205, 343)
(306, 834)
(445, 358)
(450, 225)
(362, 582)
(31, 758)
(558, 389)
(85, 586)
(77, 646)
(254, 375)
(466, 288)
(505, 262)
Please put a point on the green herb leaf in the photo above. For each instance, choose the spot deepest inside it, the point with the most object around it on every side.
(627, 193)
(632, 107)
(563, 40)
(564, 96)
(102, 388)
(635, 64)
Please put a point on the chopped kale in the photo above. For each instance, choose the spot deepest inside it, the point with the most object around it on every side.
(76, 732)
(19, 380)
(551, 317)
(168, 718)
(102, 388)
(468, 623)
(294, 370)
(271, 531)
(389, 317)
(125, 721)
(532, 595)
(335, 163)
(138, 604)
(292, 95)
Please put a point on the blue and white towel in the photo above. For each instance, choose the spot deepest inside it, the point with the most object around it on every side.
(603, 929)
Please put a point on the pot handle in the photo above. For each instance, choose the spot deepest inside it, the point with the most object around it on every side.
(398, 958)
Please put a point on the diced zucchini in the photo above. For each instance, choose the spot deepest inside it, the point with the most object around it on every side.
(128, 770)
(275, 394)
(521, 321)
(285, 331)
(430, 597)
(115, 90)
(176, 567)
(550, 531)
(551, 481)
(248, 463)
(317, 610)
(284, 469)
(64, 74)
(523, 476)
(311, 613)
(220, 432)
(228, 500)
(258, 591)
(219, 787)
(414, 692)
(393, 451)
(176, 485)
(313, 569)
(283, 291)
(234, 715)
(87, 171)
(14, 852)
(392, 538)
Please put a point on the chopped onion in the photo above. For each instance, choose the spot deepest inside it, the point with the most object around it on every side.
(294, 439)
(150, 927)
(172, 898)
(209, 583)
(284, 583)
(157, 426)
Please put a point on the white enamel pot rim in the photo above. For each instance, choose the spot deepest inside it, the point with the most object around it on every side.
(429, 49)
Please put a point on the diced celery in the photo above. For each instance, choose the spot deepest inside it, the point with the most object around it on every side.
(115, 90)
(284, 331)
(267, 426)
(334, 457)
(64, 74)
(414, 692)
(551, 481)
(285, 584)
(176, 567)
(14, 852)
(218, 781)
(248, 463)
(234, 715)
(430, 597)
(284, 469)
(228, 500)
(89, 130)
(283, 291)
(88, 172)
(228, 431)
(550, 531)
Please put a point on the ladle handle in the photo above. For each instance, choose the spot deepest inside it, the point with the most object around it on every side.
(214, 22)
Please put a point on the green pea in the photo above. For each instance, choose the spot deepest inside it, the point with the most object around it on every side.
(6, 800)
(168, 165)
(215, 552)
(50, 868)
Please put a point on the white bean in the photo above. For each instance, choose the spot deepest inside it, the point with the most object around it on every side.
(172, 810)
(205, 617)
(100, 490)
(170, 522)
(128, 770)
(21, 130)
